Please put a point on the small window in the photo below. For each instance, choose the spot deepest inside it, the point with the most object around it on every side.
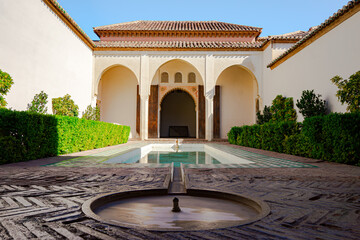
(164, 77)
(192, 78)
(178, 77)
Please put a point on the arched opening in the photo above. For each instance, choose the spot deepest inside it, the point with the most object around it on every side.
(238, 95)
(178, 115)
(176, 72)
(117, 97)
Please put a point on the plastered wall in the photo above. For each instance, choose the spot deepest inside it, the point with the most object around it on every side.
(335, 53)
(41, 53)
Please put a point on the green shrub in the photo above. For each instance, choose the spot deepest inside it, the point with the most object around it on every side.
(282, 109)
(349, 91)
(91, 113)
(310, 104)
(313, 130)
(334, 137)
(5, 84)
(65, 106)
(233, 134)
(77, 134)
(265, 117)
(275, 133)
(26, 135)
(299, 145)
(269, 136)
(38, 104)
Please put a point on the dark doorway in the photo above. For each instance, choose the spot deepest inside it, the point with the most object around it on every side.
(178, 115)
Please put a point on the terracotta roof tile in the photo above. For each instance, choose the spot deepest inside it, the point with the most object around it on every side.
(287, 36)
(176, 26)
(315, 30)
(179, 44)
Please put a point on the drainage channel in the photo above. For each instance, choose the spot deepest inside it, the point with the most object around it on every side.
(177, 180)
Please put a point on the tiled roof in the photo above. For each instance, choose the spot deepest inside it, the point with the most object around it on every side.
(315, 30)
(180, 44)
(287, 36)
(176, 26)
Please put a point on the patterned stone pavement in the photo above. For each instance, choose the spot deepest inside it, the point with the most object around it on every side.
(306, 203)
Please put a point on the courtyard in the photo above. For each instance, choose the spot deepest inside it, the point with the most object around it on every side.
(197, 108)
(321, 202)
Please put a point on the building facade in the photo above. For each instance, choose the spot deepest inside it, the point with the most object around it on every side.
(173, 78)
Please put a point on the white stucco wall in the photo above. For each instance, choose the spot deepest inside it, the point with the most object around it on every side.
(172, 68)
(40, 52)
(189, 61)
(279, 48)
(335, 53)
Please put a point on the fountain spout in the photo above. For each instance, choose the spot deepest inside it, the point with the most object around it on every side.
(177, 145)
(176, 207)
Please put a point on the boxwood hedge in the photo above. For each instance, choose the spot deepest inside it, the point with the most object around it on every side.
(26, 136)
(334, 137)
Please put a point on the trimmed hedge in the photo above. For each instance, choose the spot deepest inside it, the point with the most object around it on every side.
(270, 136)
(334, 137)
(27, 136)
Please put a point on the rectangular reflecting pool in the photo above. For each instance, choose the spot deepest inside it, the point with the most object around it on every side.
(192, 155)
(170, 153)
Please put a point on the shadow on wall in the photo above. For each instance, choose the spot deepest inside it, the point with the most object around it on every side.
(26, 136)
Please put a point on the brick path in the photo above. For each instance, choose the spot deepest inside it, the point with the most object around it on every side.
(306, 203)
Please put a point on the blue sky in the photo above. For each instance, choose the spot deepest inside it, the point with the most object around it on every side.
(274, 16)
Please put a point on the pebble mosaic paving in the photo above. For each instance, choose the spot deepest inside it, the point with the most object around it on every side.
(259, 160)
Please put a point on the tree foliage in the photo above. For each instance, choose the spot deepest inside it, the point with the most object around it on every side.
(349, 91)
(38, 104)
(264, 117)
(5, 84)
(65, 106)
(282, 109)
(91, 113)
(310, 104)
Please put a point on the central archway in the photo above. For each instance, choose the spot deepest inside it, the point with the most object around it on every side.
(177, 115)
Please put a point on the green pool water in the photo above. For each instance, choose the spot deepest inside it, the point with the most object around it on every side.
(181, 157)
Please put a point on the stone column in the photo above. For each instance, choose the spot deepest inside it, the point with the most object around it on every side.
(144, 95)
(144, 115)
(209, 96)
(209, 117)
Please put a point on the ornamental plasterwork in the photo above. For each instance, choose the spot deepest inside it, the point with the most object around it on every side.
(191, 90)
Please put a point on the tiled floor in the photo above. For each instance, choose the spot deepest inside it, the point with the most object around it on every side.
(44, 202)
(260, 161)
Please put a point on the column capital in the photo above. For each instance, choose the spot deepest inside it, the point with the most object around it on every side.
(209, 95)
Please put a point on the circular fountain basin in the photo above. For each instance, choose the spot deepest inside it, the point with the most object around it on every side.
(151, 210)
